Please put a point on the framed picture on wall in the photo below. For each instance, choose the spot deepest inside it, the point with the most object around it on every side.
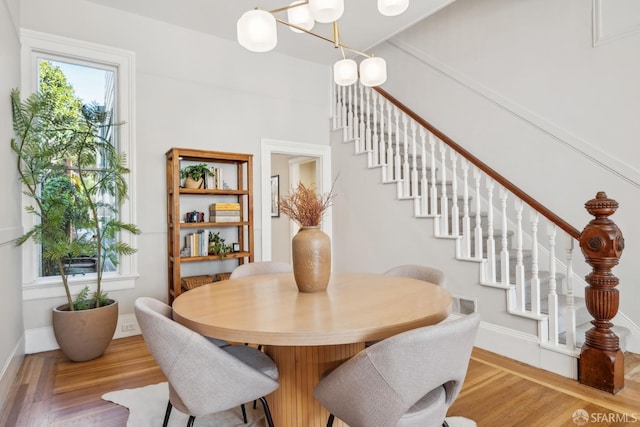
(275, 196)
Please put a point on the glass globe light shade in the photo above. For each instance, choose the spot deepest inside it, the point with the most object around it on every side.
(392, 7)
(300, 16)
(325, 11)
(257, 31)
(373, 71)
(345, 72)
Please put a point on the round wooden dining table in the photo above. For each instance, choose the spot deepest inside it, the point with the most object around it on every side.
(309, 333)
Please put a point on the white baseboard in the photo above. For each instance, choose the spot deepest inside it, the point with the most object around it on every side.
(43, 339)
(10, 370)
(525, 348)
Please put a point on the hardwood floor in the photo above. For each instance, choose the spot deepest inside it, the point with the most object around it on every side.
(50, 391)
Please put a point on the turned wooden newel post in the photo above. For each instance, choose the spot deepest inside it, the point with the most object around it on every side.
(601, 360)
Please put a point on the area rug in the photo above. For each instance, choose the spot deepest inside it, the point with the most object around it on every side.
(148, 404)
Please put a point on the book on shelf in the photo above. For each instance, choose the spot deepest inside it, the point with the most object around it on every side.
(224, 213)
(226, 218)
(224, 207)
(214, 181)
(197, 243)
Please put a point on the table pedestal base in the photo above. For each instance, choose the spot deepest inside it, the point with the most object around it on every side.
(293, 404)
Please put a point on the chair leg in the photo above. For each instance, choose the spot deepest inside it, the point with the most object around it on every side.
(330, 420)
(192, 419)
(244, 413)
(167, 414)
(267, 412)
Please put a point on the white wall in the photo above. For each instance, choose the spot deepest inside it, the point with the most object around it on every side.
(11, 327)
(192, 91)
(521, 86)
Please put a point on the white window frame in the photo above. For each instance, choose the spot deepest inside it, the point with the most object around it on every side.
(36, 45)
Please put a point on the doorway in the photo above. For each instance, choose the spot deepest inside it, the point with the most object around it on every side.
(291, 162)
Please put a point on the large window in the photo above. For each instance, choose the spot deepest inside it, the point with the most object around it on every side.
(76, 73)
(72, 86)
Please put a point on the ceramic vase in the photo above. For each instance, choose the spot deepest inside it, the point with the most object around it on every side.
(311, 252)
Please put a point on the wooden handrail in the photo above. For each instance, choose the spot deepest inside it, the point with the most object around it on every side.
(568, 228)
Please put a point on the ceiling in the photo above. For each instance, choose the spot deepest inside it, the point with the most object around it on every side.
(361, 27)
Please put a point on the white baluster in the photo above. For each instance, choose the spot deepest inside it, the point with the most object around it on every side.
(362, 126)
(433, 197)
(396, 157)
(367, 139)
(553, 294)
(444, 201)
(334, 106)
(355, 108)
(343, 113)
(504, 252)
(571, 309)
(389, 157)
(404, 187)
(424, 183)
(372, 155)
(466, 220)
(477, 238)
(381, 134)
(413, 188)
(455, 210)
(350, 113)
(383, 141)
(535, 278)
(519, 207)
(491, 244)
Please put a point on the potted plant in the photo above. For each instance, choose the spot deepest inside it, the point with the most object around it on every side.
(194, 175)
(310, 247)
(217, 245)
(76, 203)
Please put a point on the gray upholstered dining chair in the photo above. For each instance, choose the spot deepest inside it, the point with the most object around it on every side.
(420, 272)
(203, 378)
(408, 380)
(260, 267)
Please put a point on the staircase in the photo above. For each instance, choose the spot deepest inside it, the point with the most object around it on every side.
(518, 245)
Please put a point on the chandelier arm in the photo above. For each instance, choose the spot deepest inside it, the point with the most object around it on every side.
(336, 43)
(291, 6)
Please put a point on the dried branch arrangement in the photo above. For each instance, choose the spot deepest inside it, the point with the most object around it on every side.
(305, 206)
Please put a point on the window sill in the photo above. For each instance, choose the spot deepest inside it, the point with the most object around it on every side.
(52, 288)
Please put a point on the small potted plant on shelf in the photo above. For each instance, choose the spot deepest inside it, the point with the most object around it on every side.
(194, 175)
(310, 247)
(57, 155)
(217, 245)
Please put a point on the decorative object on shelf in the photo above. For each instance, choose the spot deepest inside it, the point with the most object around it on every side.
(194, 175)
(257, 32)
(222, 276)
(275, 196)
(235, 247)
(191, 282)
(311, 247)
(194, 216)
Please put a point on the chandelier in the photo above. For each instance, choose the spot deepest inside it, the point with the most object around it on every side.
(258, 33)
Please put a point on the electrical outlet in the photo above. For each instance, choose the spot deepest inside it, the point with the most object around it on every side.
(127, 327)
